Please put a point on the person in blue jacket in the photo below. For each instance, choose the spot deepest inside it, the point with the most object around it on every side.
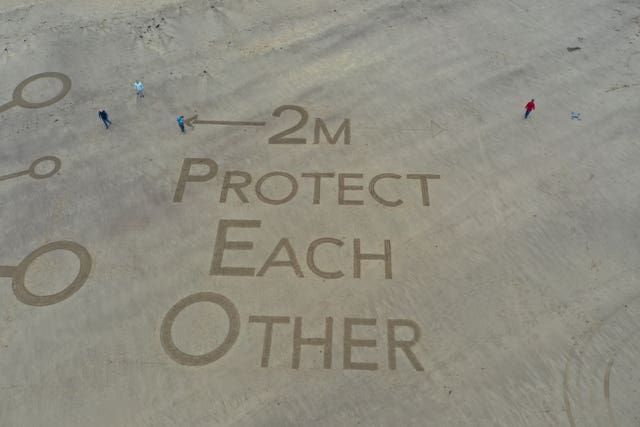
(180, 121)
(139, 88)
(102, 114)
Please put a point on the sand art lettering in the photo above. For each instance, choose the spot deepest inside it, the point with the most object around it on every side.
(280, 188)
(394, 344)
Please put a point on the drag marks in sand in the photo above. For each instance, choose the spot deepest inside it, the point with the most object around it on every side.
(602, 376)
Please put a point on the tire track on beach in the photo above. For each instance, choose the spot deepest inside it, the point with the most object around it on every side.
(588, 380)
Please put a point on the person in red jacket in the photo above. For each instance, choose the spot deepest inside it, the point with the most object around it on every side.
(529, 108)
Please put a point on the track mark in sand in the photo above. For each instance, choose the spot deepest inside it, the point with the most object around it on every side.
(633, 62)
(565, 395)
(434, 128)
(625, 86)
(518, 5)
(607, 380)
(588, 383)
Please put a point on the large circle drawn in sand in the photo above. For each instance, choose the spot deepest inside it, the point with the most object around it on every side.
(33, 173)
(17, 93)
(187, 359)
(22, 293)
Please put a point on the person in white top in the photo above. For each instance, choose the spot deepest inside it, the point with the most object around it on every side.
(139, 88)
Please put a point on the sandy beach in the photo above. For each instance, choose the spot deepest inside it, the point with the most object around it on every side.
(356, 227)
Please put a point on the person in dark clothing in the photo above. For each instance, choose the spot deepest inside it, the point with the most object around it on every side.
(529, 108)
(102, 114)
(180, 121)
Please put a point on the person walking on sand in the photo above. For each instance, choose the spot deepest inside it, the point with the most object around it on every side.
(531, 105)
(139, 88)
(180, 121)
(102, 114)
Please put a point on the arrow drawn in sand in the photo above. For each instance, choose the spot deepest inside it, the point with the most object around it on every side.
(436, 129)
(193, 120)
